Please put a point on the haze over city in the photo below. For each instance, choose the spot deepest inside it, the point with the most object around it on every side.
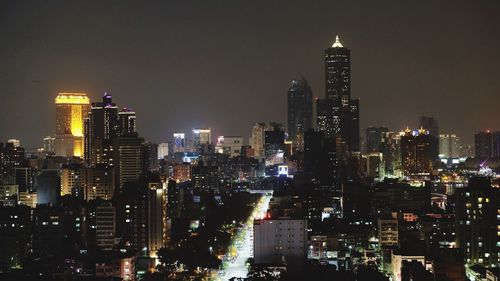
(185, 64)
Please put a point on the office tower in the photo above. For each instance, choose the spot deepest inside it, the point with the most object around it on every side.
(181, 172)
(477, 219)
(299, 108)
(162, 150)
(71, 109)
(375, 167)
(276, 240)
(49, 144)
(179, 142)
(157, 217)
(257, 139)
(375, 138)
(416, 152)
(99, 182)
(72, 177)
(429, 123)
(449, 146)
(132, 162)
(229, 145)
(11, 157)
(105, 225)
(101, 128)
(48, 187)
(152, 157)
(16, 143)
(201, 136)
(392, 154)
(338, 114)
(274, 141)
(487, 145)
(338, 73)
(126, 122)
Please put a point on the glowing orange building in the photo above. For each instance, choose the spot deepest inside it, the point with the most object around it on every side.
(71, 109)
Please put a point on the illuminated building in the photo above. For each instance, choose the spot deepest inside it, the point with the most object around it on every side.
(15, 143)
(388, 232)
(157, 217)
(338, 73)
(99, 182)
(179, 142)
(278, 239)
(162, 150)
(338, 114)
(71, 177)
(257, 139)
(299, 108)
(132, 162)
(101, 129)
(181, 172)
(71, 109)
(449, 146)
(49, 144)
(28, 199)
(478, 222)
(487, 144)
(274, 143)
(201, 137)
(229, 145)
(126, 122)
(105, 225)
(416, 152)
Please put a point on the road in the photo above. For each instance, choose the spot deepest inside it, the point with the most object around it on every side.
(242, 245)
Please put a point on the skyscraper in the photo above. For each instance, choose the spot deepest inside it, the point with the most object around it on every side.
(202, 136)
(449, 146)
(132, 162)
(101, 128)
(299, 108)
(257, 139)
(71, 109)
(375, 137)
(126, 122)
(338, 73)
(179, 142)
(338, 114)
(487, 145)
(416, 152)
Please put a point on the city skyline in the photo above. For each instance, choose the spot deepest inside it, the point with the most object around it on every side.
(147, 73)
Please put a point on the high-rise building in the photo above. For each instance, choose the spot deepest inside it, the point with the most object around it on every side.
(162, 150)
(72, 177)
(299, 108)
(338, 73)
(105, 225)
(257, 139)
(202, 136)
(71, 109)
(11, 157)
(99, 182)
(179, 142)
(487, 144)
(416, 152)
(274, 141)
(431, 124)
(132, 162)
(375, 138)
(101, 128)
(229, 145)
(49, 144)
(157, 217)
(278, 240)
(477, 219)
(449, 146)
(126, 122)
(338, 114)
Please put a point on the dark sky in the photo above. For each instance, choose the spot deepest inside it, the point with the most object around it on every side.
(228, 64)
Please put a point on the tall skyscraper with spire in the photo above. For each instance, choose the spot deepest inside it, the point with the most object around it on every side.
(338, 114)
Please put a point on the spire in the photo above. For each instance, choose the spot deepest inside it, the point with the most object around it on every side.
(337, 43)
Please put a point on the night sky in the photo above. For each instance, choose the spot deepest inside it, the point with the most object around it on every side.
(228, 64)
